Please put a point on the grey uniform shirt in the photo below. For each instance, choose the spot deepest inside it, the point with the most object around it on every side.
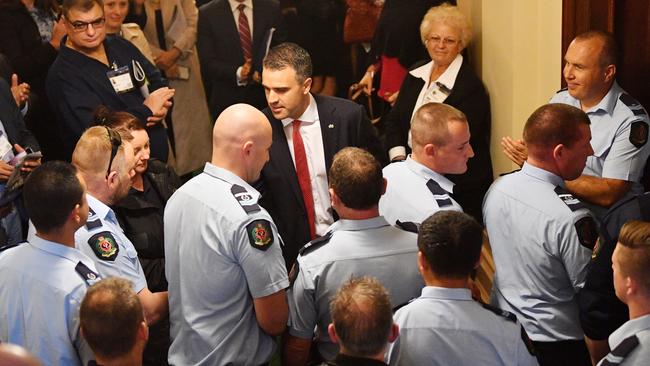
(415, 192)
(618, 123)
(42, 284)
(445, 326)
(356, 248)
(539, 241)
(103, 240)
(222, 251)
(630, 344)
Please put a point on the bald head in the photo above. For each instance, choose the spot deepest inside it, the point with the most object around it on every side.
(12, 355)
(241, 139)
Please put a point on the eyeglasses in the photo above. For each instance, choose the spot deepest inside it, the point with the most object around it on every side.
(445, 41)
(116, 142)
(80, 26)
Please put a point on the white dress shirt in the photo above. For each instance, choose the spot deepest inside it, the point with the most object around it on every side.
(248, 11)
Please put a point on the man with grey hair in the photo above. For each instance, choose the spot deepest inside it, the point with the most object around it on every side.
(417, 186)
(362, 322)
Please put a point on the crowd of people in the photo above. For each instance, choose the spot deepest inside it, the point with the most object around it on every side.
(295, 233)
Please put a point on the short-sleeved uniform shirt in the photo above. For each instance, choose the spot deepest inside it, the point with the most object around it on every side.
(630, 344)
(222, 250)
(415, 192)
(542, 239)
(369, 247)
(103, 240)
(42, 284)
(619, 131)
(445, 326)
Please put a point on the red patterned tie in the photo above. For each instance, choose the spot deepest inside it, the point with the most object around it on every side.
(245, 33)
(304, 180)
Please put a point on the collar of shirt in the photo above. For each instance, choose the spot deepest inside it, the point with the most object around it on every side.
(359, 225)
(425, 172)
(446, 293)
(628, 329)
(448, 78)
(309, 116)
(543, 175)
(234, 4)
(101, 210)
(607, 104)
(72, 254)
(229, 177)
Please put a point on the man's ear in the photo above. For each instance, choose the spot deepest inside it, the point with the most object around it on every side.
(74, 214)
(430, 150)
(143, 331)
(306, 85)
(394, 333)
(336, 201)
(422, 262)
(332, 333)
(385, 185)
(610, 73)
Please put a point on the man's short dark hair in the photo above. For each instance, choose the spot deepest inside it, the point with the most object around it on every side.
(362, 316)
(110, 316)
(554, 124)
(50, 193)
(356, 177)
(608, 54)
(451, 243)
(84, 5)
(289, 55)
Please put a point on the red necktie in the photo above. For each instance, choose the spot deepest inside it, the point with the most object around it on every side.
(304, 180)
(245, 33)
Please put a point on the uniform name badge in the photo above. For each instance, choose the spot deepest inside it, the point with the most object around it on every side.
(121, 79)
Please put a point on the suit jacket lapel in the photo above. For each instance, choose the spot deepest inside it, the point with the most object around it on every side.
(281, 158)
(329, 126)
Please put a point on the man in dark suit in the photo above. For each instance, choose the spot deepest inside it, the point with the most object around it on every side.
(231, 41)
(307, 131)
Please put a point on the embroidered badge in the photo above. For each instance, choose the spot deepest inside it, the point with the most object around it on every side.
(260, 234)
(587, 232)
(104, 246)
(639, 133)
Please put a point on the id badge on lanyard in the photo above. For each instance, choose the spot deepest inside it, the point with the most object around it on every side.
(120, 78)
(6, 151)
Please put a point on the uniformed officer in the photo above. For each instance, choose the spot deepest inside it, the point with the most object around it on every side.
(43, 281)
(542, 237)
(601, 312)
(105, 160)
(417, 186)
(619, 124)
(630, 344)
(445, 325)
(360, 243)
(223, 253)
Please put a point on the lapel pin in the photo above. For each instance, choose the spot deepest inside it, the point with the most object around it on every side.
(331, 125)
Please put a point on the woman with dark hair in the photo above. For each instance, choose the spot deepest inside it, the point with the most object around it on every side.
(140, 215)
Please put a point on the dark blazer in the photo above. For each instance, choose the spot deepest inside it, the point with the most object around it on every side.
(470, 97)
(12, 120)
(220, 52)
(343, 124)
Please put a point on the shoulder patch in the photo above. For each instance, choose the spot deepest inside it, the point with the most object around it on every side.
(440, 195)
(260, 234)
(104, 246)
(587, 232)
(293, 274)
(408, 226)
(87, 274)
(244, 198)
(638, 133)
(529, 343)
(315, 244)
(573, 203)
(500, 312)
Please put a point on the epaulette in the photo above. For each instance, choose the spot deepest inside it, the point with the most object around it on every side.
(403, 305)
(504, 174)
(632, 103)
(561, 90)
(315, 244)
(442, 197)
(573, 203)
(409, 226)
(500, 312)
(93, 222)
(618, 354)
(244, 199)
(86, 274)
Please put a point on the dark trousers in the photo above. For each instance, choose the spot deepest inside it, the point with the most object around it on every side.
(569, 353)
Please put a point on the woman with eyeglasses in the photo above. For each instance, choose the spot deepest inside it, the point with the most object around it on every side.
(140, 215)
(448, 78)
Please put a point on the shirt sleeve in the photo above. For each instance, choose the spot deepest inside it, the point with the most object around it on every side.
(624, 160)
(303, 314)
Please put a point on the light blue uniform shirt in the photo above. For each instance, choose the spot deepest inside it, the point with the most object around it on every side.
(40, 295)
(102, 224)
(214, 271)
(611, 119)
(408, 197)
(539, 260)
(357, 248)
(640, 354)
(445, 326)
